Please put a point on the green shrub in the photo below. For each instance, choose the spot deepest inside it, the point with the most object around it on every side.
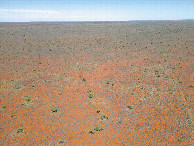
(4, 106)
(104, 117)
(180, 139)
(61, 142)
(92, 131)
(89, 91)
(28, 99)
(130, 106)
(17, 87)
(98, 128)
(20, 130)
(54, 109)
(120, 121)
(91, 95)
(84, 79)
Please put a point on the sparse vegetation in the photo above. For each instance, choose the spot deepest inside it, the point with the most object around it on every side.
(61, 142)
(54, 109)
(120, 121)
(20, 130)
(92, 131)
(22, 104)
(104, 117)
(98, 111)
(171, 90)
(28, 99)
(91, 95)
(84, 79)
(98, 128)
(180, 139)
(17, 87)
(134, 81)
(4, 107)
(130, 106)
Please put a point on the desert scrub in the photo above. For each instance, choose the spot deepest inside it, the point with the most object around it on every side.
(104, 117)
(91, 95)
(130, 106)
(54, 109)
(120, 121)
(92, 131)
(84, 79)
(61, 142)
(96, 129)
(180, 140)
(4, 106)
(17, 87)
(28, 99)
(171, 90)
(22, 104)
(180, 81)
(191, 86)
(107, 82)
(20, 130)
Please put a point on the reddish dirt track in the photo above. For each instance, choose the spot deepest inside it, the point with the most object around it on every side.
(140, 75)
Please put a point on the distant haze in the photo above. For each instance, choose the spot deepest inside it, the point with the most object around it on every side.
(95, 10)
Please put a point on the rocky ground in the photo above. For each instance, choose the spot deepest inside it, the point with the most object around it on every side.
(124, 83)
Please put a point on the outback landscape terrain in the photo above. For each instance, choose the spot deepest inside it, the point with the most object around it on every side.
(97, 83)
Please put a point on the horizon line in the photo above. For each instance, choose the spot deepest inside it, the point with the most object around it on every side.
(98, 21)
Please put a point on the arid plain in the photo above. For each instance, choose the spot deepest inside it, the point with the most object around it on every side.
(119, 83)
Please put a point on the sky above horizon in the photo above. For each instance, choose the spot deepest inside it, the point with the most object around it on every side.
(95, 10)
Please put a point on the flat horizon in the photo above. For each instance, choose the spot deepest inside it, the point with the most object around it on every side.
(93, 21)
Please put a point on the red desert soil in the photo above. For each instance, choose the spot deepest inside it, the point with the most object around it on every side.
(97, 83)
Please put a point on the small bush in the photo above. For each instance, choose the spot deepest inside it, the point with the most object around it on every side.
(98, 128)
(84, 79)
(180, 139)
(107, 82)
(120, 122)
(89, 91)
(92, 131)
(91, 95)
(104, 117)
(28, 99)
(61, 142)
(17, 87)
(54, 109)
(130, 106)
(20, 130)
(4, 106)
(158, 75)
(98, 111)
(22, 104)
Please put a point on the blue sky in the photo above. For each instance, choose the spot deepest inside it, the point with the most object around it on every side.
(95, 10)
